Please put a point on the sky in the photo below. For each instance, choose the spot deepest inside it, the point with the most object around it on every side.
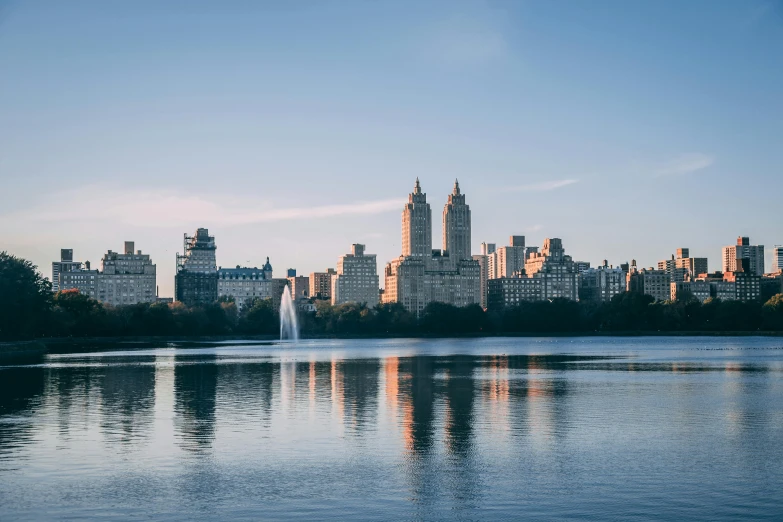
(292, 129)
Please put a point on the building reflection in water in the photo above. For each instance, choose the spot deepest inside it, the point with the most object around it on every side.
(195, 393)
(127, 401)
(416, 397)
(21, 395)
(459, 390)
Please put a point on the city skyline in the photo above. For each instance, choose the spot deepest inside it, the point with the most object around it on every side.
(585, 123)
(417, 216)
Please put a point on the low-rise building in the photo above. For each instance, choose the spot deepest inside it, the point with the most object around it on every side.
(245, 284)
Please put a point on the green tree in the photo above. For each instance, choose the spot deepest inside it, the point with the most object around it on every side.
(772, 313)
(25, 298)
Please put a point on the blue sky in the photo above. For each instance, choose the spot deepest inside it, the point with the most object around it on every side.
(293, 129)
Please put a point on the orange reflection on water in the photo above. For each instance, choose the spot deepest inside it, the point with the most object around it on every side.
(497, 393)
(338, 391)
(391, 368)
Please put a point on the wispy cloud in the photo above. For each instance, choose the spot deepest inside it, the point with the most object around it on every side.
(173, 209)
(543, 186)
(685, 164)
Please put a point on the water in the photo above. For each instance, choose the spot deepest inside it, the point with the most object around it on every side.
(493, 429)
(288, 322)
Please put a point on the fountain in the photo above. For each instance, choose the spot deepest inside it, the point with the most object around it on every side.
(288, 327)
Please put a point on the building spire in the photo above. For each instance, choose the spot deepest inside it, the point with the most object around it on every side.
(456, 187)
(417, 187)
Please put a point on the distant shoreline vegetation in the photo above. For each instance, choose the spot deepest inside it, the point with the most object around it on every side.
(29, 310)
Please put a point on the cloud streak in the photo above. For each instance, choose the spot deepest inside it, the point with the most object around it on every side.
(685, 164)
(165, 209)
(543, 186)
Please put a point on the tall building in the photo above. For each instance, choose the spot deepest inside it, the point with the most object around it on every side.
(417, 225)
(744, 250)
(196, 281)
(581, 266)
(127, 278)
(420, 275)
(124, 279)
(488, 248)
(682, 266)
(777, 258)
(356, 280)
(65, 264)
(655, 283)
(508, 260)
(601, 284)
(456, 225)
(245, 284)
(547, 275)
(83, 280)
(321, 284)
(300, 287)
(483, 261)
(558, 271)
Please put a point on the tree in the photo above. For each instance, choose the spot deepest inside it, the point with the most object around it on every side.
(25, 298)
(772, 313)
(77, 314)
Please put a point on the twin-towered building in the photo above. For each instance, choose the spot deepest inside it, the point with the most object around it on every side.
(422, 275)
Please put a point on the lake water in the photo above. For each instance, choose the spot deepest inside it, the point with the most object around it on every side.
(465, 429)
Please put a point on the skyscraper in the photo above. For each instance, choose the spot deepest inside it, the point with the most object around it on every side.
(420, 275)
(417, 225)
(456, 226)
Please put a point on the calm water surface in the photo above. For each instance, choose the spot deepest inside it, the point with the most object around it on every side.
(492, 429)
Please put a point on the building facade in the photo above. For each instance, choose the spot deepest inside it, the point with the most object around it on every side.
(682, 267)
(744, 250)
(127, 278)
(196, 281)
(356, 280)
(245, 284)
(601, 284)
(124, 279)
(549, 274)
(65, 264)
(417, 225)
(83, 280)
(777, 259)
(649, 281)
(556, 269)
(300, 287)
(321, 284)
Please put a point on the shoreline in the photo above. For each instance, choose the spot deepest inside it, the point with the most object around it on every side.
(44, 346)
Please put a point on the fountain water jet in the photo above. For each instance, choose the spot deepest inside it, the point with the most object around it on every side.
(288, 326)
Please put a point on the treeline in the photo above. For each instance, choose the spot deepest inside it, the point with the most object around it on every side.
(28, 309)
